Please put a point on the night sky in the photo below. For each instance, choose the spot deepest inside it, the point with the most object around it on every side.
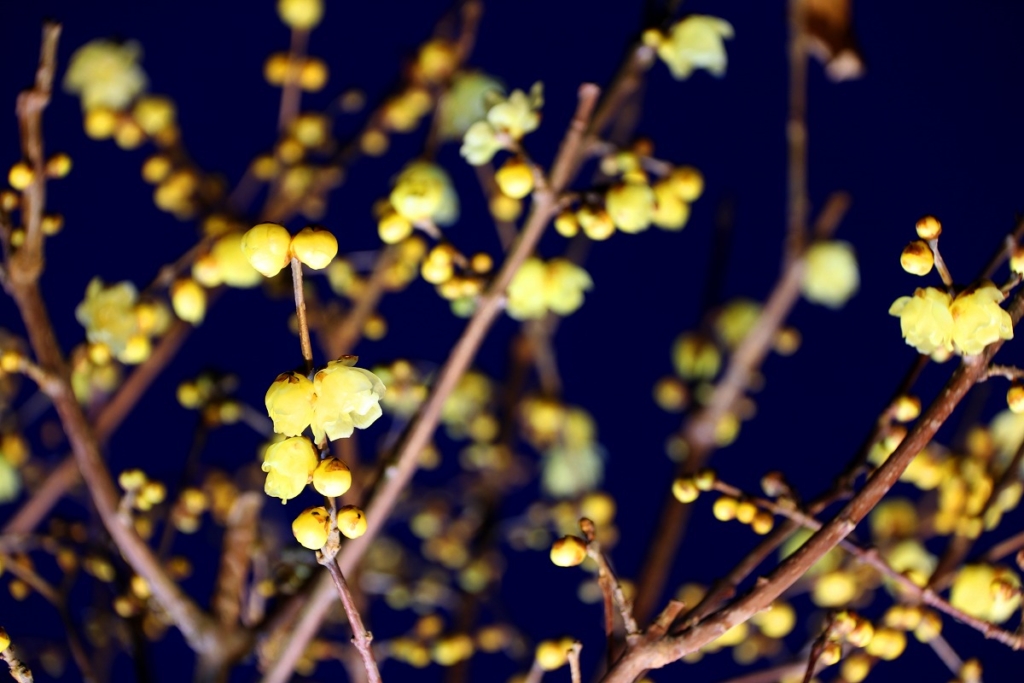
(933, 127)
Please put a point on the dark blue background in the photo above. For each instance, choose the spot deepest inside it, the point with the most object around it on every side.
(934, 127)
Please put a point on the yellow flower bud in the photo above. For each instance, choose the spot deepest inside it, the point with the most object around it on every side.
(831, 653)
(687, 182)
(505, 208)
(887, 644)
(452, 649)
(332, 477)
(153, 114)
(630, 205)
(5, 640)
(834, 589)
(917, 258)
(553, 654)
(832, 276)
(568, 551)
(855, 667)
(188, 300)
(515, 178)
(724, 509)
(58, 166)
(1015, 398)
(777, 621)
(929, 228)
(267, 246)
(597, 225)
(20, 176)
(906, 408)
(978, 320)
(671, 395)
(1017, 260)
(100, 123)
(313, 75)
(288, 465)
(310, 528)
(745, 512)
(684, 490)
(301, 15)
(670, 212)
(289, 402)
(351, 521)
(695, 357)
(762, 523)
(315, 248)
(393, 228)
(566, 224)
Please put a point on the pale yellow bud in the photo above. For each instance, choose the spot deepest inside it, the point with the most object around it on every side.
(568, 551)
(917, 258)
(929, 228)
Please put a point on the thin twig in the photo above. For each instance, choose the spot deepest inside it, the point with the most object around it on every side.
(300, 313)
(19, 672)
(360, 636)
(574, 662)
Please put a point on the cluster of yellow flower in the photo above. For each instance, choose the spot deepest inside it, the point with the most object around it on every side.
(118, 324)
(935, 322)
(506, 122)
(423, 196)
(428, 643)
(695, 42)
(538, 287)
(633, 204)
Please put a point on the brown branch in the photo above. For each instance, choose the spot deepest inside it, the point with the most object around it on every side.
(19, 672)
(399, 474)
(341, 339)
(300, 314)
(360, 636)
(61, 479)
(240, 536)
(574, 662)
(610, 589)
(798, 204)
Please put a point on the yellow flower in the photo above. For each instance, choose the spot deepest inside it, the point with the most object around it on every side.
(831, 277)
(105, 74)
(734, 322)
(695, 357)
(925, 319)
(480, 143)
(289, 465)
(267, 247)
(289, 402)
(233, 268)
(538, 287)
(108, 315)
(466, 103)
(346, 398)
(423, 191)
(526, 291)
(519, 114)
(696, 42)
(976, 592)
(566, 283)
(978, 320)
(300, 14)
(631, 206)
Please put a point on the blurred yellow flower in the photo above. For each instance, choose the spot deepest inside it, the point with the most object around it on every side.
(105, 74)
(925, 319)
(519, 114)
(423, 191)
(696, 42)
(466, 102)
(537, 287)
(978, 320)
(976, 592)
(832, 276)
(346, 398)
(108, 315)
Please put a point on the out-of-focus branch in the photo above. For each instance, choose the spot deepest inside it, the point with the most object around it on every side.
(360, 636)
(240, 536)
(397, 476)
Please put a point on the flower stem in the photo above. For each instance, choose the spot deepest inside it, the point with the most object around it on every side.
(300, 313)
(360, 636)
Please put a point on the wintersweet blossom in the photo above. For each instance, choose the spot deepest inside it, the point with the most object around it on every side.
(978, 320)
(106, 74)
(480, 143)
(108, 314)
(289, 464)
(925, 320)
(519, 114)
(832, 276)
(466, 102)
(976, 592)
(696, 42)
(289, 402)
(423, 191)
(346, 397)
(537, 287)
